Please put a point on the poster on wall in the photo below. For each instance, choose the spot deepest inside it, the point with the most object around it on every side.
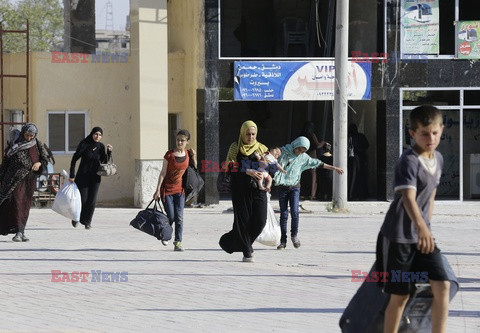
(467, 43)
(420, 27)
(297, 80)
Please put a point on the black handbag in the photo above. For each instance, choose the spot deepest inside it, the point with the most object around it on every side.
(224, 182)
(192, 183)
(153, 222)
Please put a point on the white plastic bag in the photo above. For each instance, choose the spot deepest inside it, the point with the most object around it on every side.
(68, 202)
(271, 233)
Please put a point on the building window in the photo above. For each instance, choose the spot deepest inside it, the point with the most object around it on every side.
(451, 11)
(65, 130)
(459, 142)
(296, 29)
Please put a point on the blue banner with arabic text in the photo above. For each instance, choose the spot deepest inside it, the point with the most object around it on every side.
(298, 80)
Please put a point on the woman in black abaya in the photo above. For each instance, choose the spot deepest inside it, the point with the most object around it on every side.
(249, 203)
(92, 152)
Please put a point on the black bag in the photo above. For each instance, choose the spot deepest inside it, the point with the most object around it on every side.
(366, 310)
(192, 183)
(154, 222)
(224, 182)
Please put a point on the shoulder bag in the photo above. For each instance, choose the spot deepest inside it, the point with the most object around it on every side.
(192, 183)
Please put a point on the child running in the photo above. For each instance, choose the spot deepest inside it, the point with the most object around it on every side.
(294, 161)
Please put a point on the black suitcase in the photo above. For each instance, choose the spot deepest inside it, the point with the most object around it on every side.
(366, 310)
(153, 222)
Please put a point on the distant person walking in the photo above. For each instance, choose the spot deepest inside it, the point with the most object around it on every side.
(249, 202)
(169, 186)
(309, 133)
(91, 152)
(357, 164)
(25, 158)
(325, 176)
(294, 161)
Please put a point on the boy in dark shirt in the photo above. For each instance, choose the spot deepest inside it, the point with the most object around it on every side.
(405, 241)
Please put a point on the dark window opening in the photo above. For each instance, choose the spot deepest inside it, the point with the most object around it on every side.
(447, 28)
(468, 10)
(293, 28)
(471, 97)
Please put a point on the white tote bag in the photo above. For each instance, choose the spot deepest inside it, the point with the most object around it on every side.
(271, 233)
(68, 202)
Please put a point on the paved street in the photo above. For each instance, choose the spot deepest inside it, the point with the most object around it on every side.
(205, 289)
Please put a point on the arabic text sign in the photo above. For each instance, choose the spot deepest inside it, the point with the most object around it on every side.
(297, 80)
(468, 45)
(420, 27)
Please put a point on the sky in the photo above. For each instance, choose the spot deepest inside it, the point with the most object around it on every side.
(120, 9)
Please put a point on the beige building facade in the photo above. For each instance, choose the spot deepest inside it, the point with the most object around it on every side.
(133, 98)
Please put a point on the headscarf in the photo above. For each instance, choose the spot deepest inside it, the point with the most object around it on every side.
(288, 149)
(95, 130)
(245, 149)
(30, 129)
(18, 141)
(88, 142)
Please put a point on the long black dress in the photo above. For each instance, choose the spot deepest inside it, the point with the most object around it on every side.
(249, 209)
(87, 180)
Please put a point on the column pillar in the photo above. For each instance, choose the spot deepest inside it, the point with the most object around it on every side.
(149, 126)
(208, 110)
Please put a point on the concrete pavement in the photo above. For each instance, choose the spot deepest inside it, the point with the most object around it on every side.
(205, 289)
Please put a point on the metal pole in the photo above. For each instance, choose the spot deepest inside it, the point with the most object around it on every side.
(27, 73)
(340, 115)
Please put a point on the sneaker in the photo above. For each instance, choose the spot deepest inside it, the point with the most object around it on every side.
(74, 223)
(17, 237)
(282, 246)
(164, 243)
(296, 242)
(88, 226)
(177, 246)
(24, 238)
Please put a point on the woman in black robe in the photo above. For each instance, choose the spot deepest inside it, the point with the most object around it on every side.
(249, 203)
(92, 152)
(25, 158)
